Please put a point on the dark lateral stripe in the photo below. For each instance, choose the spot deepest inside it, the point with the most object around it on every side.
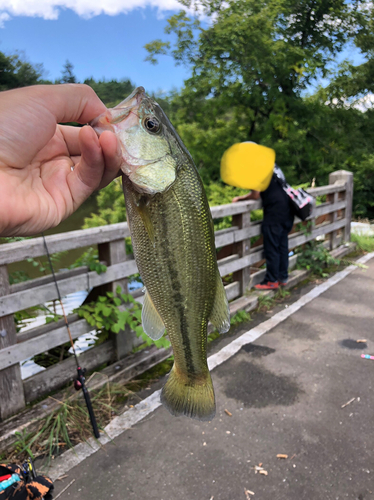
(178, 300)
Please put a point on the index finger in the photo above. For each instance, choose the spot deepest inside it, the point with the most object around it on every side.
(71, 102)
(28, 117)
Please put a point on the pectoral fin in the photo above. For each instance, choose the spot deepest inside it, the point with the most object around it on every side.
(145, 215)
(151, 320)
(220, 315)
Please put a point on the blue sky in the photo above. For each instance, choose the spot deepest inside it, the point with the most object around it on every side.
(103, 46)
(96, 43)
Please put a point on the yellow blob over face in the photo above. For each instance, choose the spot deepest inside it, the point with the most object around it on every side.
(248, 165)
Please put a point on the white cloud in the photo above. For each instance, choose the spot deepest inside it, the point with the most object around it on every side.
(50, 9)
(4, 16)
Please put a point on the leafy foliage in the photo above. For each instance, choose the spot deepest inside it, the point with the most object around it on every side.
(90, 258)
(363, 198)
(315, 258)
(111, 206)
(15, 72)
(240, 317)
(111, 92)
(112, 313)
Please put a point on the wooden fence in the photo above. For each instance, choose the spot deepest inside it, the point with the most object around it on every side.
(330, 219)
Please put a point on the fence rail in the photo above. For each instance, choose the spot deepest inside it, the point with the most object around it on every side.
(236, 255)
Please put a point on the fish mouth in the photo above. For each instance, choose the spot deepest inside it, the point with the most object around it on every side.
(112, 117)
(113, 120)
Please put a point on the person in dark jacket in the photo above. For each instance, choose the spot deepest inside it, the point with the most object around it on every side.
(277, 223)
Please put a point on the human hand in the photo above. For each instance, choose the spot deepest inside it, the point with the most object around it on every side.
(48, 170)
(237, 198)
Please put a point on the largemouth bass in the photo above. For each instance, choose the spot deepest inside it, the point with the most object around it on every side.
(173, 239)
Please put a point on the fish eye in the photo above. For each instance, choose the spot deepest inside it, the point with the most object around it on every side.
(152, 124)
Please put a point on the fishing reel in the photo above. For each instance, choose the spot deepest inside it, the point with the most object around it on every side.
(28, 470)
(79, 381)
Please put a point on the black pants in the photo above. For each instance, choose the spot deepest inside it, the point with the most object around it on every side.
(276, 250)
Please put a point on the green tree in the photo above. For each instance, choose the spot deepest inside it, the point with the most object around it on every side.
(250, 69)
(15, 72)
(111, 206)
(67, 73)
(111, 92)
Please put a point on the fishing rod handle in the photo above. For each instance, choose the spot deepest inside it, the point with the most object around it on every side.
(91, 412)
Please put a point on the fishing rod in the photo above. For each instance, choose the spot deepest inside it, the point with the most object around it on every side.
(79, 382)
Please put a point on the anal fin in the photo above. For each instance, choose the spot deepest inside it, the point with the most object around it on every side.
(220, 315)
(152, 323)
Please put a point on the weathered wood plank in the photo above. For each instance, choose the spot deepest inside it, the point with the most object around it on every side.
(232, 290)
(328, 208)
(343, 176)
(243, 248)
(241, 263)
(299, 239)
(225, 260)
(133, 365)
(238, 235)
(234, 208)
(248, 232)
(27, 419)
(331, 188)
(44, 280)
(333, 218)
(12, 398)
(224, 237)
(19, 352)
(24, 299)
(48, 327)
(22, 250)
(61, 373)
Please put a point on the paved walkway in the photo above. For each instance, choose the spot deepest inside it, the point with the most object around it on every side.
(285, 392)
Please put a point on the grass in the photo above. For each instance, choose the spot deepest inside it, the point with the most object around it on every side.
(364, 242)
(68, 424)
(266, 302)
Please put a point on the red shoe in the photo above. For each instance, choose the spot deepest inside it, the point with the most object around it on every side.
(282, 283)
(267, 285)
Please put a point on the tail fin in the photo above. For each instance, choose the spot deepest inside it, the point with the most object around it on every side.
(189, 395)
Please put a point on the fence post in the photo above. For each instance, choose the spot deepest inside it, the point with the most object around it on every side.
(347, 177)
(333, 198)
(114, 252)
(242, 248)
(12, 397)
